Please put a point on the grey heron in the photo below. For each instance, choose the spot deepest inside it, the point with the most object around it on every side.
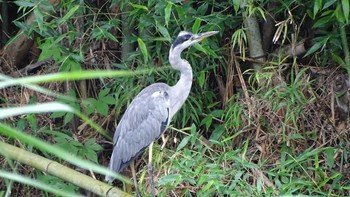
(151, 111)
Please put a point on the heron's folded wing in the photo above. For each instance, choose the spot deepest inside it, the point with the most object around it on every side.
(143, 122)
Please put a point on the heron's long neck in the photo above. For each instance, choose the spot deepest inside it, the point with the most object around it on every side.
(180, 91)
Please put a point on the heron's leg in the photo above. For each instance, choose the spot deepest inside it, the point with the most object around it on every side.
(150, 170)
(138, 194)
(164, 140)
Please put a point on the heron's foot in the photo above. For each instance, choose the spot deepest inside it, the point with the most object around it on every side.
(150, 172)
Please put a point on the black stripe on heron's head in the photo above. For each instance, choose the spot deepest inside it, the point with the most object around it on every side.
(182, 37)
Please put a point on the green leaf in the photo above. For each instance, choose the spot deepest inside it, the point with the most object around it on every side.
(69, 14)
(337, 59)
(102, 108)
(89, 105)
(201, 79)
(322, 22)
(209, 120)
(345, 6)
(91, 144)
(217, 113)
(236, 4)
(109, 100)
(328, 3)
(314, 48)
(91, 155)
(183, 143)
(317, 6)
(330, 157)
(143, 49)
(57, 114)
(177, 178)
(67, 118)
(110, 36)
(25, 3)
(196, 25)
(103, 92)
(217, 133)
(202, 179)
(49, 49)
(70, 65)
(339, 14)
(164, 31)
(208, 185)
(137, 6)
(167, 12)
(181, 12)
(39, 18)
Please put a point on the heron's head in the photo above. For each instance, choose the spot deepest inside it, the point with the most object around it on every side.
(186, 39)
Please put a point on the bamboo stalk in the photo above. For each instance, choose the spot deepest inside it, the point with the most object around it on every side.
(61, 171)
(254, 37)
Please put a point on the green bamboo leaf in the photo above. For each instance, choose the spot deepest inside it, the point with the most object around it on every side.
(168, 13)
(337, 59)
(317, 6)
(39, 17)
(137, 6)
(181, 12)
(345, 6)
(164, 31)
(322, 21)
(183, 143)
(196, 25)
(236, 4)
(314, 48)
(69, 14)
(201, 79)
(328, 3)
(143, 48)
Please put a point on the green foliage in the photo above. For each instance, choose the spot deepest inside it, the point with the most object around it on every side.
(100, 104)
(87, 150)
(56, 183)
(331, 23)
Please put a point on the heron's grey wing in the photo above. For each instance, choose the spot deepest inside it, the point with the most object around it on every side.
(143, 122)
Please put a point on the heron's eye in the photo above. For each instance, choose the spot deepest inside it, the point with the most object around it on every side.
(187, 37)
(181, 39)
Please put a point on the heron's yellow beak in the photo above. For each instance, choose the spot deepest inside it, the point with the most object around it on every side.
(201, 36)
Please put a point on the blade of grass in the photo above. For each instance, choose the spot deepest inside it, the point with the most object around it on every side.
(50, 107)
(40, 89)
(74, 75)
(36, 108)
